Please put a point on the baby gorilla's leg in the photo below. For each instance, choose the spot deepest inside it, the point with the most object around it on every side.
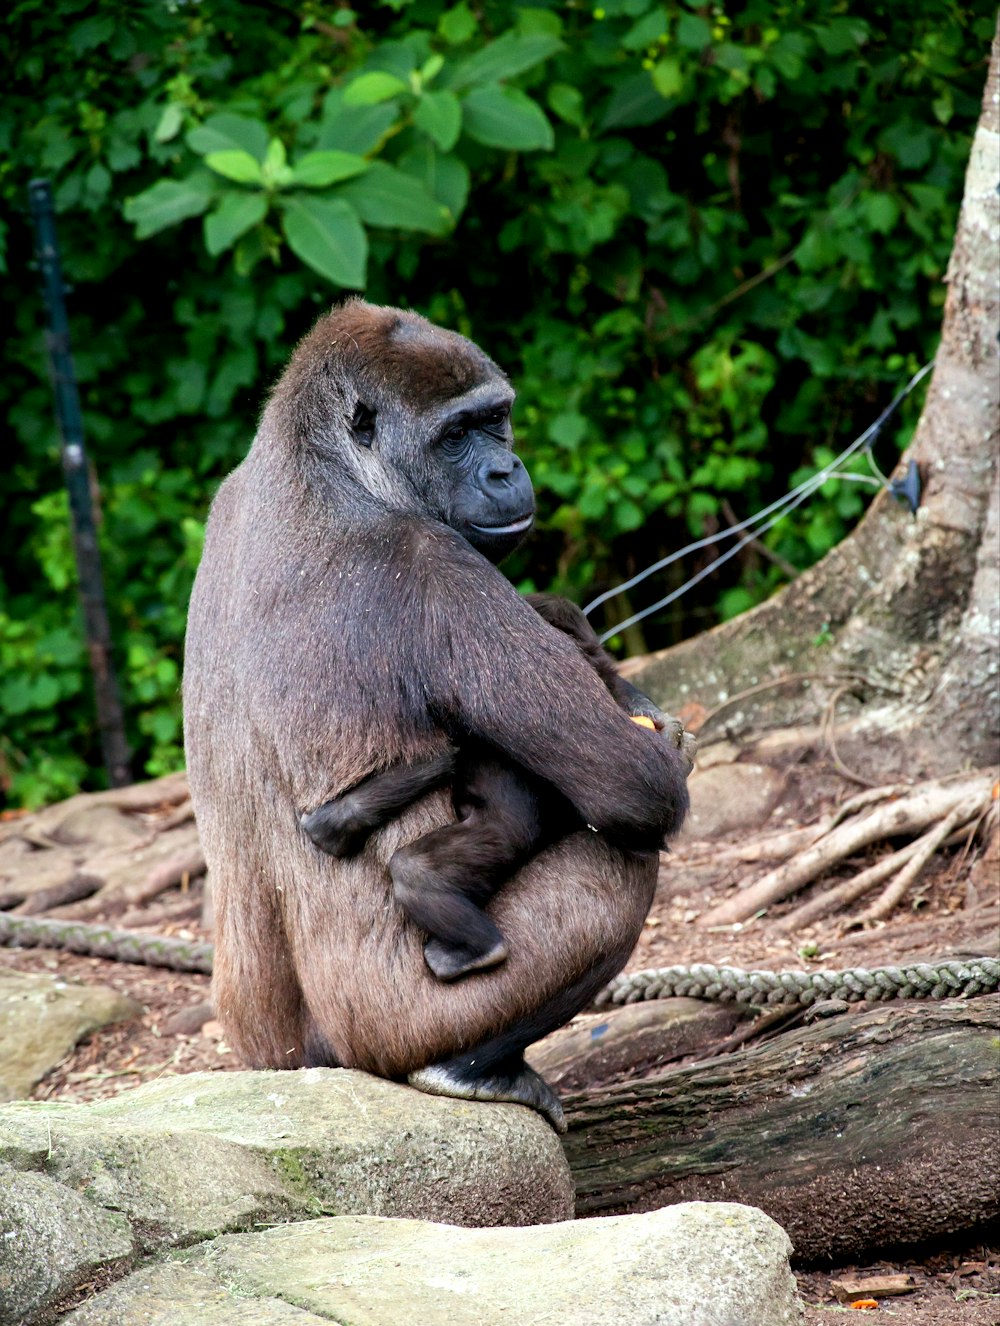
(429, 881)
(443, 880)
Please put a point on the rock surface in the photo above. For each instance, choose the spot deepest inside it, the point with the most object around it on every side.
(42, 1018)
(50, 1240)
(728, 797)
(695, 1264)
(184, 1159)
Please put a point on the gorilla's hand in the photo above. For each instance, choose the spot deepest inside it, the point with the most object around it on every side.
(672, 728)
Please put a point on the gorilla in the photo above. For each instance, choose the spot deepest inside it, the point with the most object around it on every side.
(503, 817)
(348, 618)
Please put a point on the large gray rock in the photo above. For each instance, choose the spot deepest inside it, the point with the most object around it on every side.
(728, 798)
(51, 1240)
(42, 1018)
(188, 1158)
(696, 1264)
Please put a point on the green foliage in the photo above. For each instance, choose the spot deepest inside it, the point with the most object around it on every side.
(706, 243)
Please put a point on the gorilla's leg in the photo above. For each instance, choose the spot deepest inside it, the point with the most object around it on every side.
(496, 1070)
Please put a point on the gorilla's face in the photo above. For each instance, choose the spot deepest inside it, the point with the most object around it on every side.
(447, 445)
(490, 501)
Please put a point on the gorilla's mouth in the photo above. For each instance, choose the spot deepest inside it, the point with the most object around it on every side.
(515, 527)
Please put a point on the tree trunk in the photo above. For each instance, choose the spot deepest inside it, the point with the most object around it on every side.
(906, 611)
(859, 1132)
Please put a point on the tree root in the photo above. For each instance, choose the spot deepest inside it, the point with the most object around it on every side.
(938, 807)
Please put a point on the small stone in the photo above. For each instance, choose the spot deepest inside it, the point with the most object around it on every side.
(42, 1018)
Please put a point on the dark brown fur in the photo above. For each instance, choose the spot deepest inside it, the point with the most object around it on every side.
(338, 627)
(443, 880)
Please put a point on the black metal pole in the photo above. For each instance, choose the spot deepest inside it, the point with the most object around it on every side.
(74, 458)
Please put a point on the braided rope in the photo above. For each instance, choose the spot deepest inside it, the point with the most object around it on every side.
(918, 980)
(98, 941)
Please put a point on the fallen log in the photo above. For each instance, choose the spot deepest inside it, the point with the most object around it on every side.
(862, 1131)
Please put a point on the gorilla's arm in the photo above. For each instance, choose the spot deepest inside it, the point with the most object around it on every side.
(493, 670)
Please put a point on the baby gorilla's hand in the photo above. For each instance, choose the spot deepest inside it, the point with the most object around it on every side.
(339, 827)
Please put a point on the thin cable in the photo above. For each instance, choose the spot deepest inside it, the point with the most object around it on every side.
(817, 482)
(787, 501)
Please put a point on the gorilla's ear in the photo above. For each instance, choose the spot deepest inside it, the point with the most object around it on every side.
(363, 425)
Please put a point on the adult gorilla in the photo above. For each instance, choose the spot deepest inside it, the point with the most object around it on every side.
(347, 618)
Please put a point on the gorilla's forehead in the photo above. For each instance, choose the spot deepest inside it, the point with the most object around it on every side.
(402, 355)
(437, 365)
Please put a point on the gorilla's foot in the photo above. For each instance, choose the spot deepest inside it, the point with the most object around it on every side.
(450, 961)
(513, 1081)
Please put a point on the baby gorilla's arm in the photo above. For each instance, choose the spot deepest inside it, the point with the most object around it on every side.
(568, 618)
(342, 827)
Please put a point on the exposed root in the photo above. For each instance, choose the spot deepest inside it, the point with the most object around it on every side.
(925, 849)
(934, 810)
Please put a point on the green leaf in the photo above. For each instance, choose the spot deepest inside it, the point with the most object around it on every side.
(457, 25)
(635, 101)
(567, 102)
(357, 129)
(627, 514)
(92, 32)
(170, 122)
(431, 68)
(567, 429)
(275, 170)
(235, 215)
(236, 165)
(439, 115)
(389, 197)
(507, 118)
(648, 30)
(693, 32)
(167, 202)
(370, 89)
(668, 79)
(446, 178)
(328, 237)
(881, 210)
(318, 170)
(226, 133)
(509, 55)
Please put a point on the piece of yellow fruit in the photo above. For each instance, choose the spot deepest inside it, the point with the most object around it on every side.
(643, 721)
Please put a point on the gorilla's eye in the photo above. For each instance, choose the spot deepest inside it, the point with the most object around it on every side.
(456, 434)
(363, 424)
(495, 418)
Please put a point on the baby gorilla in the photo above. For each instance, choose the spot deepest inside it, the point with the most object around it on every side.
(504, 816)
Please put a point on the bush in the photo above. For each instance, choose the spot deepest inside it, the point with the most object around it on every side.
(706, 244)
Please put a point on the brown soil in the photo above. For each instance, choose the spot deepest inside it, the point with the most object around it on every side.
(951, 911)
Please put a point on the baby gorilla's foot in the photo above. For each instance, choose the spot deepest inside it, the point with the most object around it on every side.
(450, 961)
(511, 1081)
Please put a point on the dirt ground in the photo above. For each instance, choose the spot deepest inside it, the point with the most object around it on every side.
(953, 912)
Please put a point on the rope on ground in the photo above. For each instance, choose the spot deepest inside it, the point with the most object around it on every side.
(98, 941)
(918, 980)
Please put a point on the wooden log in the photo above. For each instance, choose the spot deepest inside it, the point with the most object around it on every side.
(874, 1128)
(624, 1042)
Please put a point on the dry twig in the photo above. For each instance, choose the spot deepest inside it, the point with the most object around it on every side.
(926, 847)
